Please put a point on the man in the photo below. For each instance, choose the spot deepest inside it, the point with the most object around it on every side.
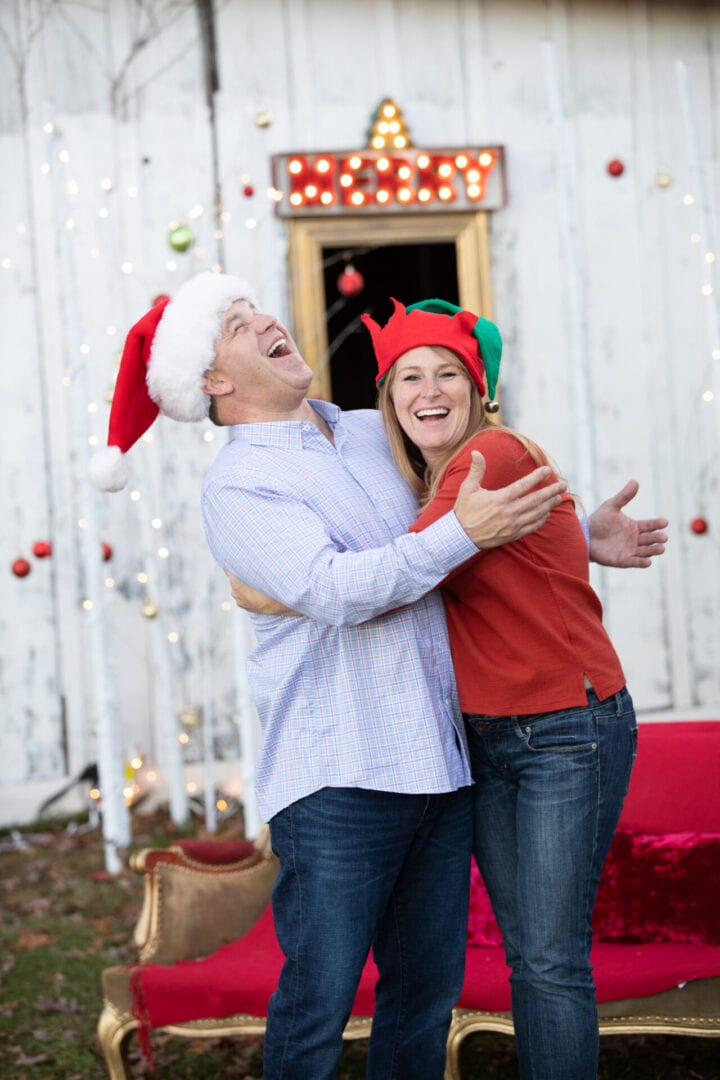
(363, 772)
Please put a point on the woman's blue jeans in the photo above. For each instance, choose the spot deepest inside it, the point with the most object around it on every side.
(361, 868)
(549, 789)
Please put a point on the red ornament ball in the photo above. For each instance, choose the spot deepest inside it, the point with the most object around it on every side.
(21, 568)
(616, 167)
(248, 190)
(699, 525)
(159, 299)
(107, 552)
(350, 282)
(42, 549)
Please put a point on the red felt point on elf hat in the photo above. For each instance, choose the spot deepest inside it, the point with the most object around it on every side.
(162, 368)
(407, 330)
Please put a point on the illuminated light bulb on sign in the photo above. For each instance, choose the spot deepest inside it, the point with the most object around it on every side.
(361, 181)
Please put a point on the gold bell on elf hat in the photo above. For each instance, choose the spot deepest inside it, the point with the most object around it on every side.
(165, 357)
(475, 341)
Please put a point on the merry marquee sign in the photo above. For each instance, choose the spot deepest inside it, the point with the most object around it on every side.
(389, 176)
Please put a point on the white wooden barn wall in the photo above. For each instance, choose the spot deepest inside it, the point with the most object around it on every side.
(600, 288)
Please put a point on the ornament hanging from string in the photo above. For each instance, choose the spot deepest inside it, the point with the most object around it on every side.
(181, 238)
(699, 525)
(350, 282)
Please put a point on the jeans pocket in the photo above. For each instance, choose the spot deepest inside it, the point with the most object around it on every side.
(565, 732)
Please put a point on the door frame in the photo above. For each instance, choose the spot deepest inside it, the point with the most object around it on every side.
(308, 236)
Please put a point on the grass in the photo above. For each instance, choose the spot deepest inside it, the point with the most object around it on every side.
(65, 919)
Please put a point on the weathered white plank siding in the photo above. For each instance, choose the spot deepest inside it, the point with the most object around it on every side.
(596, 284)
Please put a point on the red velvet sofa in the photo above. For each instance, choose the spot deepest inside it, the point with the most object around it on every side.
(209, 959)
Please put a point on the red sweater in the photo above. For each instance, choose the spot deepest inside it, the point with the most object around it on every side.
(525, 625)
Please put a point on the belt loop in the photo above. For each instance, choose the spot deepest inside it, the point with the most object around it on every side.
(618, 704)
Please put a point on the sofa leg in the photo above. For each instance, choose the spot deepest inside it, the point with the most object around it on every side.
(113, 1030)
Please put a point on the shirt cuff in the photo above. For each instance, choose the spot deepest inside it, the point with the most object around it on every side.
(447, 543)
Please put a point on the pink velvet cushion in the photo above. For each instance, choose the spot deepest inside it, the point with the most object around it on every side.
(653, 889)
(660, 888)
(620, 972)
(216, 852)
(237, 978)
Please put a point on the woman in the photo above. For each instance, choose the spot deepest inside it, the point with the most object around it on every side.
(550, 725)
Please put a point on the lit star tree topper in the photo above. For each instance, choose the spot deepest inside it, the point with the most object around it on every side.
(389, 130)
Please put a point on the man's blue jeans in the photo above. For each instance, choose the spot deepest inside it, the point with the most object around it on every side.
(549, 789)
(361, 868)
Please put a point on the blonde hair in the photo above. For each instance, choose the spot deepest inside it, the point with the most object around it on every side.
(423, 478)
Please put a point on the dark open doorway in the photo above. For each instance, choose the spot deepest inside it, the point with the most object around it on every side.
(409, 272)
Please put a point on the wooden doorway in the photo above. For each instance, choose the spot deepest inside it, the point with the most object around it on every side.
(409, 257)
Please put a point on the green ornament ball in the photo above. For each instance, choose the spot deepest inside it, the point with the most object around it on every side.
(181, 238)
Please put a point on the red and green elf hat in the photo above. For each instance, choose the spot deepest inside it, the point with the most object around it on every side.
(474, 340)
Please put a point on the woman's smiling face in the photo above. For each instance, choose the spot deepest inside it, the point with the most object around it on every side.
(431, 395)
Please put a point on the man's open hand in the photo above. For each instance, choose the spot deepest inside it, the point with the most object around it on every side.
(492, 518)
(619, 540)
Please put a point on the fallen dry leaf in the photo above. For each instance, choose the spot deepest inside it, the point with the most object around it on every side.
(33, 939)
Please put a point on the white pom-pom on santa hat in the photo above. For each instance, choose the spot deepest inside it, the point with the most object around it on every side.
(165, 357)
(108, 469)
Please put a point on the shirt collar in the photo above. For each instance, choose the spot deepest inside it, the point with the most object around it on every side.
(289, 434)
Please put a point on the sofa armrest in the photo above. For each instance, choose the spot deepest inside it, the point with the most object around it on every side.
(192, 907)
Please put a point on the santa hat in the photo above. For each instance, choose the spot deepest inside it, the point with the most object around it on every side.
(165, 356)
(474, 340)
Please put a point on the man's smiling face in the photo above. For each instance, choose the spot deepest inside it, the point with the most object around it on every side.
(259, 357)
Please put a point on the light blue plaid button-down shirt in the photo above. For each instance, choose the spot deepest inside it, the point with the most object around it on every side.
(343, 701)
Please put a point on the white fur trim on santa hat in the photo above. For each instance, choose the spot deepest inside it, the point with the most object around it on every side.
(108, 469)
(184, 343)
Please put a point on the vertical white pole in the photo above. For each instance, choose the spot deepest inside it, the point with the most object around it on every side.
(115, 814)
